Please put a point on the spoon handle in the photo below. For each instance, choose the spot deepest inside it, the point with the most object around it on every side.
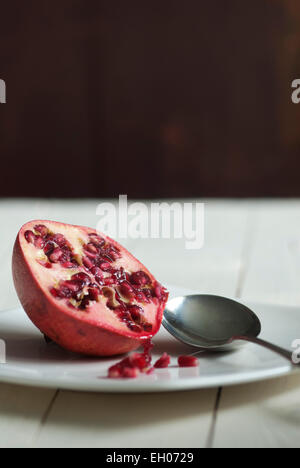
(277, 349)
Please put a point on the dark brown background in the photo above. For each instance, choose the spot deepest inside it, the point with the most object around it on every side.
(150, 98)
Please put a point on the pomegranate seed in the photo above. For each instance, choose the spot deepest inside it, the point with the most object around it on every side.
(140, 278)
(30, 237)
(105, 266)
(96, 239)
(127, 290)
(136, 313)
(115, 372)
(73, 286)
(98, 274)
(138, 360)
(87, 263)
(93, 294)
(85, 303)
(91, 248)
(91, 255)
(56, 255)
(41, 229)
(82, 277)
(147, 327)
(133, 365)
(140, 297)
(130, 372)
(60, 240)
(158, 291)
(58, 293)
(122, 314)
(109, 281)
(120, 275)
(68, 265)
(134, 327)
(188, 361)
(148, 294)
(39, 243)
(148, 345)
(114, 254)
(45, 264)
(49, 247)
(163, 362)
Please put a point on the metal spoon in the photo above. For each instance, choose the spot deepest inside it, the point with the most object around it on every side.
(215, 323)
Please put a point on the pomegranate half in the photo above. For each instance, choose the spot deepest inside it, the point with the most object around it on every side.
(84, 291)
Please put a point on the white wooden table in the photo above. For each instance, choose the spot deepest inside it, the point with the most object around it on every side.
(246, 254)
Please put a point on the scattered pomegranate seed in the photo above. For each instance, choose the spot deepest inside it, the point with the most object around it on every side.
(138, 360)
(115, 372)
(130, 367)
(188, 361)
(163, 362)
(130, 372)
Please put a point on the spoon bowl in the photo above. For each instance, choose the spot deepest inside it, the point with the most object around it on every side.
(214, 323)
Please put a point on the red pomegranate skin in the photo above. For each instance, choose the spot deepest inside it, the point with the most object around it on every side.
(95, 331)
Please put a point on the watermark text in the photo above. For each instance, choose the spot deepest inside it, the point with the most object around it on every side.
(2, 352)
(153, 221)
(2, 92)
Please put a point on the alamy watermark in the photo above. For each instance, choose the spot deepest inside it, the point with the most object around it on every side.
(296, 353)
(2, 92)
(2, 352)
(153, 221)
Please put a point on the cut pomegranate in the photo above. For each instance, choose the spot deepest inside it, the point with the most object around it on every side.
(84, 291)
(188, 361)
(163, 362)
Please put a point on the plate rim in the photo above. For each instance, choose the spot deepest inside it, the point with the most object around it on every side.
(103, 385)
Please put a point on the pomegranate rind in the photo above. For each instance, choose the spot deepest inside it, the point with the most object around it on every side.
(74, 330)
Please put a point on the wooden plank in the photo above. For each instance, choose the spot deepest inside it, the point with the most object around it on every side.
(21, 413)
(21, 408)
(266, 414)
(140, 421)
(261, 415)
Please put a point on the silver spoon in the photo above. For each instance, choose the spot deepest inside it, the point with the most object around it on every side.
(215, 323)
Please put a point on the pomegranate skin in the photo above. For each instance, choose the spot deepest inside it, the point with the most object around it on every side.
(79, 334)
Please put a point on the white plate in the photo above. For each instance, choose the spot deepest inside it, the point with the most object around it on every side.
(30, 361)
